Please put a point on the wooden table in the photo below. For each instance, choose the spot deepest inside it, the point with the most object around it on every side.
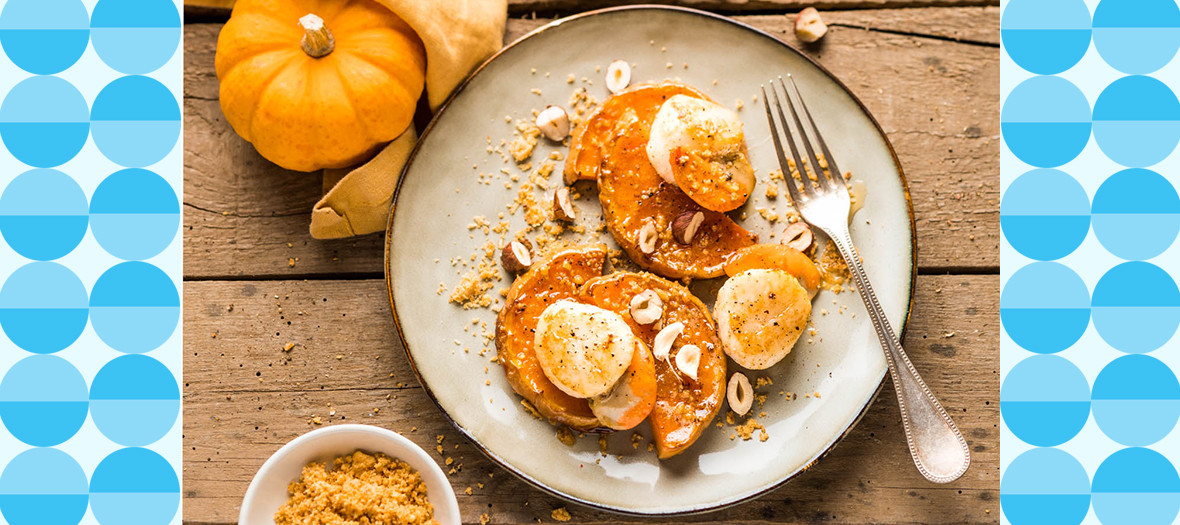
(255, 281)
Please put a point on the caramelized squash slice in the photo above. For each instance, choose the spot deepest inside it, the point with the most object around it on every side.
(775, 257)
(683, 407)
(611, 147)
(547, 281)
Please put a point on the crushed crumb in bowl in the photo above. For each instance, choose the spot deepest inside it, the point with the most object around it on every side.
(391, 477)
(358, 488)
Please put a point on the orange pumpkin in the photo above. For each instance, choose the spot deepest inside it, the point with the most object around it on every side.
(318, 84)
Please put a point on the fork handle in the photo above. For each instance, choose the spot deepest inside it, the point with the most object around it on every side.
(939, 450)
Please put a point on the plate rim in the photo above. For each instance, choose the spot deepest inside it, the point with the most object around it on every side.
(724, 504)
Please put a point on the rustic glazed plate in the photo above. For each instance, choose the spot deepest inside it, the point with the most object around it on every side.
(429, 243)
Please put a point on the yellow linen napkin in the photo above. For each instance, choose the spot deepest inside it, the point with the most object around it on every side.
(458, 35)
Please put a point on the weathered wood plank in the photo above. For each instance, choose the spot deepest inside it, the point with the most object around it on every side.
(961, 23)
(525, 7)
(244, 397)
(958, 23)
(518, 7)
(935, 99)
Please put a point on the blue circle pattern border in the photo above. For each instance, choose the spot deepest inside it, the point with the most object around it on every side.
(1135, 122)
(1089, 306)
(90, 261)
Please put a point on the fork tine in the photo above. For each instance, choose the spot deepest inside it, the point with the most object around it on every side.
(823, 145)
(778, 105)
(778, 145)
(815, 167)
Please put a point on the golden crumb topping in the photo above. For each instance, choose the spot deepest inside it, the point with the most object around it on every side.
(360, 489)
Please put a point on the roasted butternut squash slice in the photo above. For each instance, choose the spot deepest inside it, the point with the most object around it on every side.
(633, 397)
(775, 257)
(611, 146)
(547, 282)
(683, 407)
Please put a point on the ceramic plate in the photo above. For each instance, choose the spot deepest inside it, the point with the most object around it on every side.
(441, 191)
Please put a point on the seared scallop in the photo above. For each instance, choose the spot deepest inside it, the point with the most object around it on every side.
(760, 315)
(699, 146)
(583, 349)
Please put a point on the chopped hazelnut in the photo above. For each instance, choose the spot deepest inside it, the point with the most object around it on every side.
(563, 209)
(798, 236)
(809, 27)
(618, 76)
(517, 256)
(739, 393)
(685, 226)
(646, 307)
(688, 359)
(662, 345)
(554, 123)
(647, 238)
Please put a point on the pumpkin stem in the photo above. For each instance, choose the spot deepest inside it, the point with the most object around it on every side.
(317, 40)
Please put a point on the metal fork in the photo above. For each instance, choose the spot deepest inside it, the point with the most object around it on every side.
(937, 446)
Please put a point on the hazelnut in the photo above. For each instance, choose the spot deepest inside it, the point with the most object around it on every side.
(662, 345)
(809, 27)
(563, 209)
(647, 238)
(618, 76)
(798, 236)
(646, 307)
(554, 123)
(517, 256)
(685, 226)
(739, 393)
(688, 359)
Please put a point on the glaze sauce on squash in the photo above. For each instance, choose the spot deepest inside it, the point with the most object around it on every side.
(775, 257)
(548, 281)
(684, 408)
(611, 145)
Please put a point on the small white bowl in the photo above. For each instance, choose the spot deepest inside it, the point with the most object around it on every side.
(268, 490)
